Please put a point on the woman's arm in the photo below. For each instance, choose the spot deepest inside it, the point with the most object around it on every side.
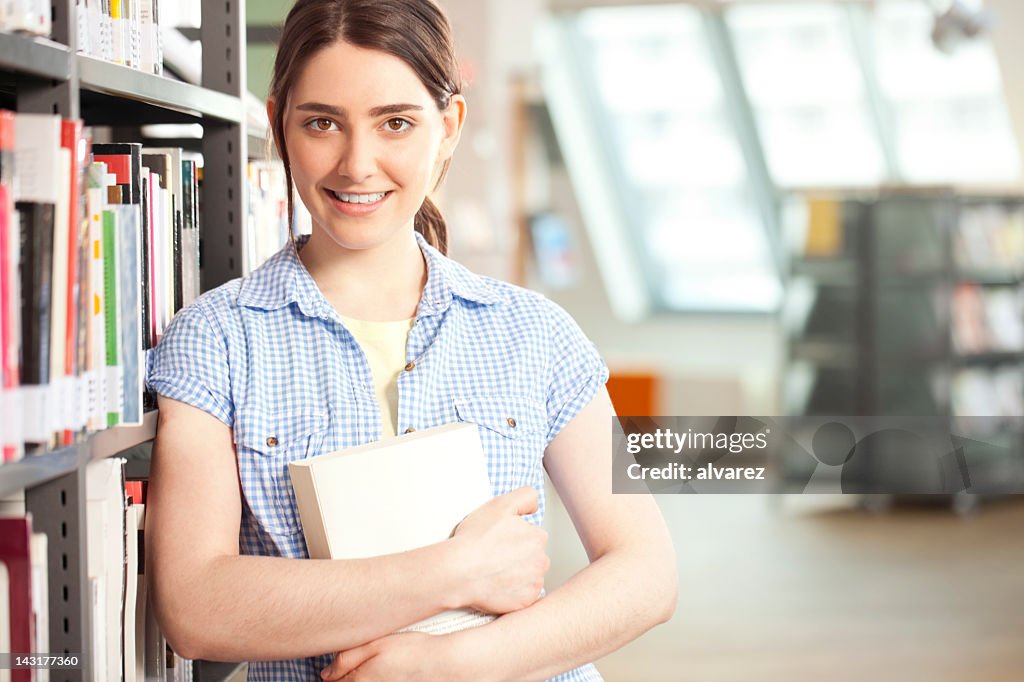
(214, 604)
(629, 586)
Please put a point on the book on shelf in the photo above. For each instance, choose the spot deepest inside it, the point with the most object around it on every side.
(26, 16)
(74, 417)
(10, 296)
(987, 319)
(988, 392)
(38, 173)
(23, 608)
(990, 236)
(125, 32)
(267, 221)
(107, 557)
(99, 247)
(423, 485)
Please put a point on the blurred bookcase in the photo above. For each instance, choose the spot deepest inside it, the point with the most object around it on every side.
(50, 76)
(908, 303)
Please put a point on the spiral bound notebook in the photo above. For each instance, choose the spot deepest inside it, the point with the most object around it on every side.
(393, 496)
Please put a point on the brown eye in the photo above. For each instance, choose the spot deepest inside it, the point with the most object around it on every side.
(397, 125)
(323, 124)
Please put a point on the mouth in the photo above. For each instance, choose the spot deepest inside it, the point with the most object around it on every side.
(358, 199)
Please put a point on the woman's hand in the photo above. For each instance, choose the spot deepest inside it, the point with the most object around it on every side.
(409, 656)
(505, 553)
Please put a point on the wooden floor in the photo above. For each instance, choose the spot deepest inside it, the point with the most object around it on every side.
(829, 595)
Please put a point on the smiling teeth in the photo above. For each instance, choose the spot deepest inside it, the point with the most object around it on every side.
(359, 198)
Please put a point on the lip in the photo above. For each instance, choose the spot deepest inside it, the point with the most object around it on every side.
(356, 210)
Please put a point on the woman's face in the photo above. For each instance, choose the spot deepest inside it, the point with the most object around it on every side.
(366, 142)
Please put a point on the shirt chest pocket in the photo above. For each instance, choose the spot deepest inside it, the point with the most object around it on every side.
(265, 443)
(512, 434)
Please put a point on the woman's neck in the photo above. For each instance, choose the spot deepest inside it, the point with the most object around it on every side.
(379, 284)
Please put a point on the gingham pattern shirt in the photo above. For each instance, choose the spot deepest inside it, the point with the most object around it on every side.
(270, 357)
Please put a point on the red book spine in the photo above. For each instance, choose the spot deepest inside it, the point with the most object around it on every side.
(70, 138)
(15, 534)
(9, 305)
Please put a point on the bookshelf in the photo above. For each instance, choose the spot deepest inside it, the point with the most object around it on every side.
(908, 303)
(47, 76)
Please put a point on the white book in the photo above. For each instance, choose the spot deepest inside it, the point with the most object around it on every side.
(173, 201)
(139, 579)
(95, 27)
(105, 518)
(393, 496)
(82, 16)
(40, 598)
(98, 596)
(96, 336)
(150, 48)
(129, 226)
(131, 588)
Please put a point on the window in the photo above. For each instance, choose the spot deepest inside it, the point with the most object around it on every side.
(683, 179)
(807, 91)
(950, 119)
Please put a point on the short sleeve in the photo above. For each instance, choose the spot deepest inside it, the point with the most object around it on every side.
(190, 364)
(578, 371)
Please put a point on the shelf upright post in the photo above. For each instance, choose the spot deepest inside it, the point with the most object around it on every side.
(223, 206)
(58, 507)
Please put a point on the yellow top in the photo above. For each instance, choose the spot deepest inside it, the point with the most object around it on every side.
(383, 343)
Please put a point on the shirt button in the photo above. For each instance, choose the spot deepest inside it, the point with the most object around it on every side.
(410, 366)
(409, 430)
(512, 422)
(271, 441)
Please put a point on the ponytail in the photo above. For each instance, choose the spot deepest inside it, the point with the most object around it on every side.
(430, 223)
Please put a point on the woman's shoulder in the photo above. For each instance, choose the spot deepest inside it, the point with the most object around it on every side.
(519, 300)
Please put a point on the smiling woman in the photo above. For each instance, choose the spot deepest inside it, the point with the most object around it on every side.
(361, 331)
(365, 141)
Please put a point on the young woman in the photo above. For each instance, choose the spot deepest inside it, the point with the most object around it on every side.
(359, 332)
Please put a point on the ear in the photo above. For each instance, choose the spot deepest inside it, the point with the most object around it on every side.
(453, 119)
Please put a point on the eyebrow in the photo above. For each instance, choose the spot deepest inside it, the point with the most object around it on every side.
(340, 113)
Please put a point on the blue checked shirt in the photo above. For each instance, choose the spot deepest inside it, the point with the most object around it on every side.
(269, 357)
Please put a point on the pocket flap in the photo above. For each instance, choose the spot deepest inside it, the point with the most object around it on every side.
(274, 433)
(509, 416)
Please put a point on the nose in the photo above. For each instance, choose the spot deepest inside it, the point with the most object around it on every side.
(358, 157)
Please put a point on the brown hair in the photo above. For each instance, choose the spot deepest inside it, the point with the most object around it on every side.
(415, 31)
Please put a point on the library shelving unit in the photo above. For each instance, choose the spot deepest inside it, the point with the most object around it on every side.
(47, 76)
(909, 303)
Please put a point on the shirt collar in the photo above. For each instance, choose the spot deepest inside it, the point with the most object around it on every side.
(283, 279)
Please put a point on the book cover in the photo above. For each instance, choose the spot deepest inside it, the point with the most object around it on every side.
(424, 484)
(58, 403)
(106, 557)
(15, 554)
(74, 142)
(190, 285)
(10, 313)
(129, 255)
(36, 223)
(37, 160)
(112, 317)
(5, 617)
(39, 553)
(173, 183)
(95, 338)
(161, 236)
